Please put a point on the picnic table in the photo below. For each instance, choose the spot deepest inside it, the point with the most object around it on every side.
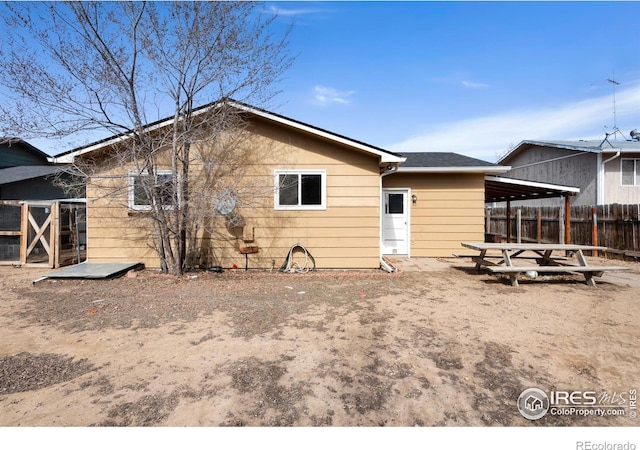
(546, 261)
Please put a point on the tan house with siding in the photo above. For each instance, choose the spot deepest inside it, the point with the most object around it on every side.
(348, 203)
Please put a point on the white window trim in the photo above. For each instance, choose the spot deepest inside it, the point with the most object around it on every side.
(636, 168)
(323, 193)
(131, 179)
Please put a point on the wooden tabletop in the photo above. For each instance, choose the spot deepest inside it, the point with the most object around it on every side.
(534, 247)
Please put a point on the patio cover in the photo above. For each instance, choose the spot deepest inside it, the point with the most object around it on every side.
(503, 189)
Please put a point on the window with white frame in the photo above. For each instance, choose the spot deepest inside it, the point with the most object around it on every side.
(300, 189)
(630, 170)
(142, 184)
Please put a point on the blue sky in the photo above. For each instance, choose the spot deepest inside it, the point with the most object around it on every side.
(474, 78)
(469, 77)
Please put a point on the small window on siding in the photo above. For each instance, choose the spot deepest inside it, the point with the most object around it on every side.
(139, 184)
(630, 169)
(300, 189)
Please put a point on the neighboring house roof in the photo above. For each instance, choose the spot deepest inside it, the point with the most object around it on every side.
(589, 146)
(385, 155)
(21, 173)
(434, 162)
(24, 153)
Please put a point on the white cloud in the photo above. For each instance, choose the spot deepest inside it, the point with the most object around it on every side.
(474, 85)
(291, 12)
(326, 95)
(490, 137)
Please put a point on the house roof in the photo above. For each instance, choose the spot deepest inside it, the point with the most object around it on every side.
(21, 173)
(588, 146)
(384, 155)
(434, 162)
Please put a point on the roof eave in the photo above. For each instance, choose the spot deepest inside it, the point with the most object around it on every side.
(385, 156)
(471, 169)
(578, 148)
(568, 189)
(620, 150)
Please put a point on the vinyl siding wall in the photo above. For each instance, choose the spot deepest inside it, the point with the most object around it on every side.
(449, 210)
(345, 235)
(614, 191)
(541, 164)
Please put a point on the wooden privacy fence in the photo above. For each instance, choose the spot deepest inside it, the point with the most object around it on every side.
(614, 226)
(42, 233)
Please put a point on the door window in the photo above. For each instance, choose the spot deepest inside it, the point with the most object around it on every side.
(395, 204)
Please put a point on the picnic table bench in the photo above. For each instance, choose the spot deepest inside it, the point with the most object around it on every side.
(543, 255)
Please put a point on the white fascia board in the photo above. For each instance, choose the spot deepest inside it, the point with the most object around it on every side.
(68, 158)
(577, 147)
(533, 184)
(472, 169)
(513, 151)
(384, 156)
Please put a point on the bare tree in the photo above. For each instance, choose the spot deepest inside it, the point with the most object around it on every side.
(117, 67)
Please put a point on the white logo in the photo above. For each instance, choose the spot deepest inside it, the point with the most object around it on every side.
(533, 403)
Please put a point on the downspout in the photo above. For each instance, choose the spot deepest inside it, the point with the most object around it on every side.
(600, 181)
(383, 264)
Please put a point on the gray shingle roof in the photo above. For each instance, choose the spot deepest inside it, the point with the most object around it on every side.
(434, 159)
(21, 173)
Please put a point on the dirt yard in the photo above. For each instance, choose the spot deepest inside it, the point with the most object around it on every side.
(446, 347)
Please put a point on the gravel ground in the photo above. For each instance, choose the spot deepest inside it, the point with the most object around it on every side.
(443, 348)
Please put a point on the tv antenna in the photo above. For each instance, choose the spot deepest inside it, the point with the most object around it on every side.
(615, 124)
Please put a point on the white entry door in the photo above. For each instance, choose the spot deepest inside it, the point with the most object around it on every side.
(395, 222)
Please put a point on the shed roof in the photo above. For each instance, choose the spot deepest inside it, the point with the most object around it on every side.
(21, 173)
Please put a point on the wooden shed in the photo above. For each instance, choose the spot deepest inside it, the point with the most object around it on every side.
(42, 233)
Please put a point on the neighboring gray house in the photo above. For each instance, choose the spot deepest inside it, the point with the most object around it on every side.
(26, 173)
(606, 171)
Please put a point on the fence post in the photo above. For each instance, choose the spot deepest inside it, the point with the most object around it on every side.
(24, 231)
(561, 223)
(54, 236)
(487, 225)
(594, 229)
(508, 221)
(539, 227)
(567, 220)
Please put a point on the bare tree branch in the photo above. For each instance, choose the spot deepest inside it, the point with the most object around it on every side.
(71, 67)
